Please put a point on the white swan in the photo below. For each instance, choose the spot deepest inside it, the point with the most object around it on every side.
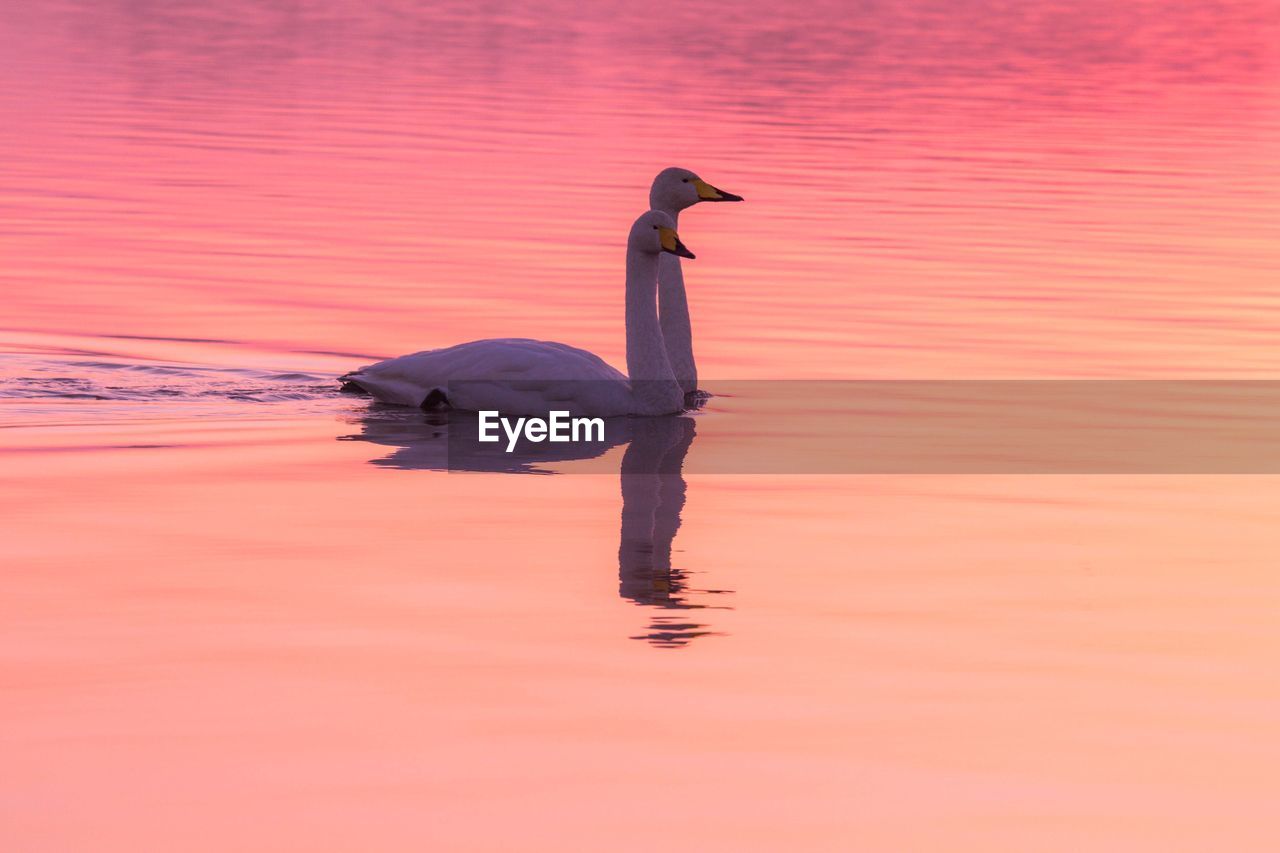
(673, 190)
(518, 376)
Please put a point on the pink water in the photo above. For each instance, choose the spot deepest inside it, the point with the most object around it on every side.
(226, 630)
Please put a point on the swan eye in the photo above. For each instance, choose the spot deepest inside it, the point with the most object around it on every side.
(684, 180)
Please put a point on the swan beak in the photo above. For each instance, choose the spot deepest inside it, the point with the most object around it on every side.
(671, 243)
(706, 192)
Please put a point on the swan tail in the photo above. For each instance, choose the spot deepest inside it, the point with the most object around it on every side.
(350, 387)
(396, 390)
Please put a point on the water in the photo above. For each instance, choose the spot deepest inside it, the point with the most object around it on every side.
(247, 612)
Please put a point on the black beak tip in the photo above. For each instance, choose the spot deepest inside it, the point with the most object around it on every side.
(721, 195)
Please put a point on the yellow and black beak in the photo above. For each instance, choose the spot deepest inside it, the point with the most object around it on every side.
(706, 192)
(671, 243)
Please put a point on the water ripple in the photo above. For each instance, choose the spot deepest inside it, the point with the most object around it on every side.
(139, 382)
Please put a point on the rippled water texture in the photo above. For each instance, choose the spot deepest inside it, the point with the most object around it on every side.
(245, 612)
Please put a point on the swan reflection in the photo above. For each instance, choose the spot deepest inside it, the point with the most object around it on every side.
(422, 442)
(652, 483)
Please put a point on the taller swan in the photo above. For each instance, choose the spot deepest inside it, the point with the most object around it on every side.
(518, 376)
(673, 190)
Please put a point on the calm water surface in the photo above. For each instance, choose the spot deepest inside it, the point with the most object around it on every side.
(247, 613)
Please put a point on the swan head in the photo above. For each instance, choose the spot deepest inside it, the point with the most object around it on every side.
(655, 232)
(676, 188)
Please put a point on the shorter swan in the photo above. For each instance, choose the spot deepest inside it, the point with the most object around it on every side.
(519, 376)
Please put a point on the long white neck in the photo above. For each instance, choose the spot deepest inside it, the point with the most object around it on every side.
(653, 386)
(673, 315)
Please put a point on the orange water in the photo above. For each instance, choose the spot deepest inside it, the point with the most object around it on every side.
(226, 630)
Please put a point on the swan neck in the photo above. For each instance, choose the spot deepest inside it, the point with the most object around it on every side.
(673, 314)
(653, 385)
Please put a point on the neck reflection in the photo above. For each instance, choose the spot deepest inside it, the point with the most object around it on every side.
(653, 496)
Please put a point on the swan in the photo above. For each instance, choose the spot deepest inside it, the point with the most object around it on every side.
(518, 376)
(673, 190)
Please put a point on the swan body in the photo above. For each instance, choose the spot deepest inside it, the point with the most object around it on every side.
(519, 376)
